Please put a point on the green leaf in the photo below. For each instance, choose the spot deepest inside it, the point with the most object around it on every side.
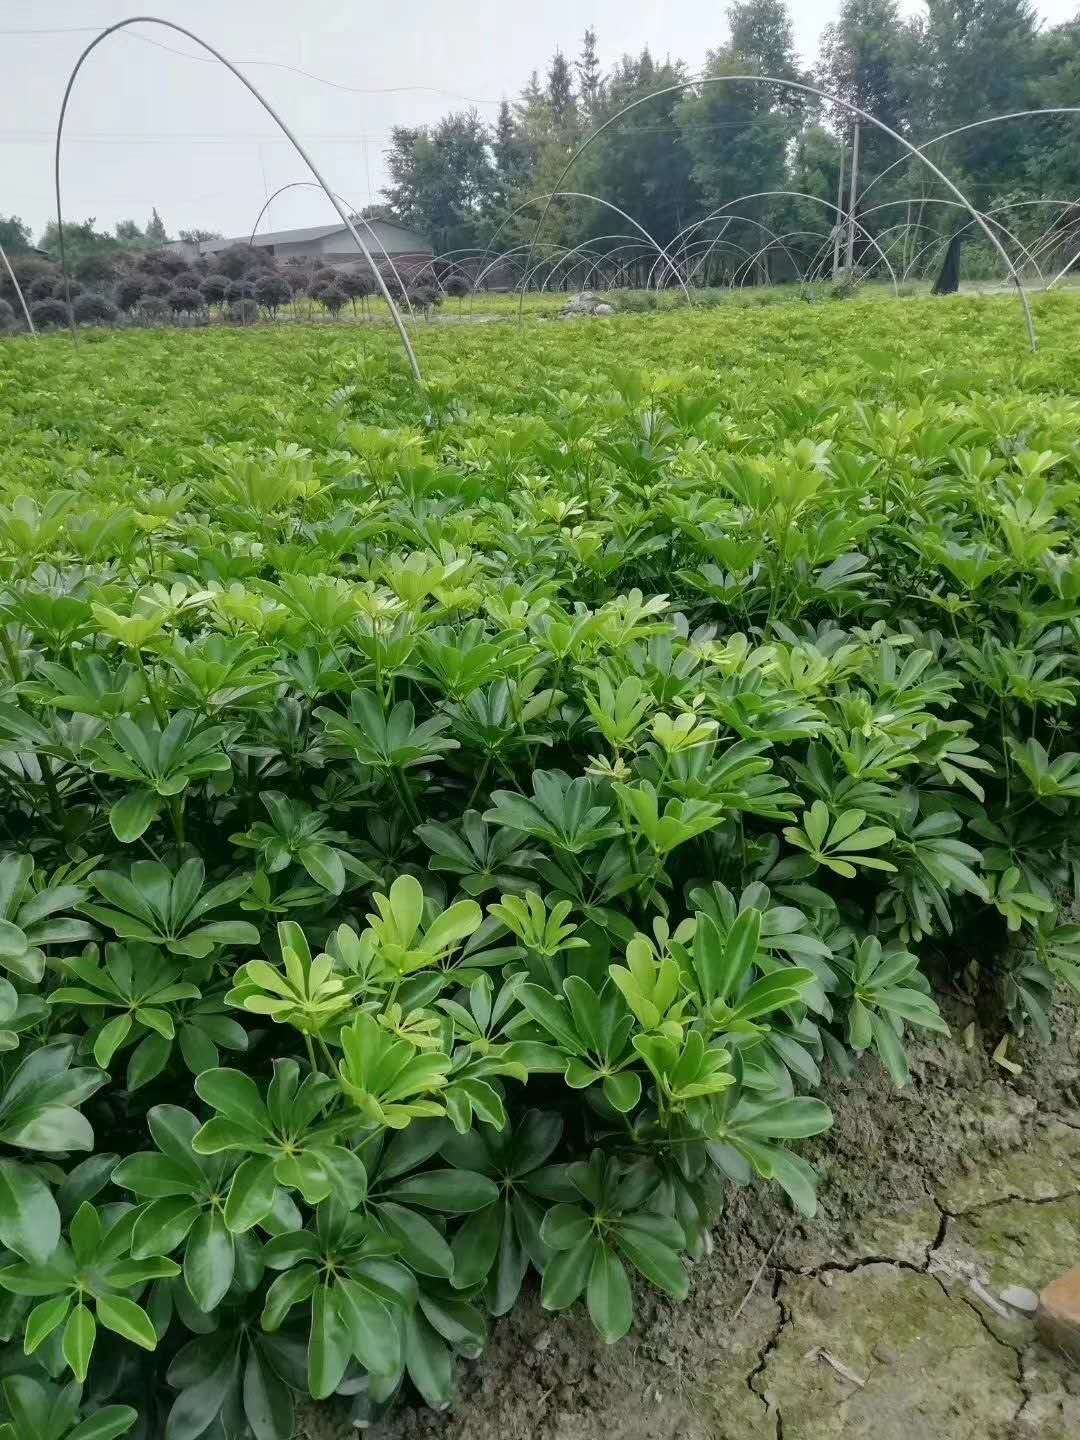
(475, 1246)
(109, 1039)
(611, 1307)
(289, 1289)
(162, 1226)
(329, 1346)
(78, 1343)
(623, 1091)
(268, 1403)
(29, 1219)
(251, 1194)
(147, 1060)
(324, 866)
(376, 1342)
(565, 1227)
(456, 1192)
(890, 1049)
(567, 1274)
(85, 1233)
(428, 1362)
(127, 1320)
(199, 1403)
(658, 1262)
(105, 1424)
(43, 1320)
(131, 816)
(209, 1261)
(235, 1096)
(422, 1247)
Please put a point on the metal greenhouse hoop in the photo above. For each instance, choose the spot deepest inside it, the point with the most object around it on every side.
(297, 184)
(799, 195)
(821, 95)
(18, 291)
(250, 86)
(960, 130)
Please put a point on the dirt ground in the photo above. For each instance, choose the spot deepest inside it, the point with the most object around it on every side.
(880, 1317)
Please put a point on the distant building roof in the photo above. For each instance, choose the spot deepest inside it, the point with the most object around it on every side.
(395, 239)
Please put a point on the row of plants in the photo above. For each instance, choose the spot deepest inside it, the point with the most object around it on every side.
(492, 812)
(241, 283)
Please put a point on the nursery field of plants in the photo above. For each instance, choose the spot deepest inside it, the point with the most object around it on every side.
(449, 834)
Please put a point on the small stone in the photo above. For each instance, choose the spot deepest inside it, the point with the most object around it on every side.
(542, 1341)
(1020, 1298)
(1058, 1315)
(885, 1355)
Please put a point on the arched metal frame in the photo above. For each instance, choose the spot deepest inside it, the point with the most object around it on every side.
(248, 85)
(801, 195)
(550, 195)
(960, 130)
(607, 204)
(505, 255)
(734, 219)
(746, 267)
(987, 215)
(585, 249)
(298, 184)
(623, 257)
(805, 89)
(18, 291)
(702, 248)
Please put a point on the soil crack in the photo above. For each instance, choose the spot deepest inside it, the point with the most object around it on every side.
(849, 1267)
(1010, 1199)
(785, 1317)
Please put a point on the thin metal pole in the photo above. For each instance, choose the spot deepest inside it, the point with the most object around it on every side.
(839, 212)
(907, 234)
(250, 86)
(18, 291)
(853, 195)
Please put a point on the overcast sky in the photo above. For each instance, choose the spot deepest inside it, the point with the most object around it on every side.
(147, 126)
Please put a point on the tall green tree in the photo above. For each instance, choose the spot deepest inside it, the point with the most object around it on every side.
(1052, 149)
(513, 166)
(14, 234)
(443, 179)
(560, 95)
(155, 231)
(590, 77)
(641, 163)
(983, 57)
(739, 135)
(866, 61)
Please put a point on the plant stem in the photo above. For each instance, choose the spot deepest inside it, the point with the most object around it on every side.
(311, 1054)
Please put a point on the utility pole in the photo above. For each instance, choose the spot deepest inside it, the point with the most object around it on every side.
(853, 195)
(839, 225)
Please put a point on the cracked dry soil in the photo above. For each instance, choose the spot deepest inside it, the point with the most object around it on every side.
(881, 1317)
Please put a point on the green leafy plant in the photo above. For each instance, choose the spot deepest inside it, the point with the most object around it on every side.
(462, 838)
(88, 1281)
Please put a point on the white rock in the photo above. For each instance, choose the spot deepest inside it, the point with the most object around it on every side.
(1020, 1298)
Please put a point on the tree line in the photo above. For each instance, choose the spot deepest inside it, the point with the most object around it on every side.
(683, 154)
(687, 150)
